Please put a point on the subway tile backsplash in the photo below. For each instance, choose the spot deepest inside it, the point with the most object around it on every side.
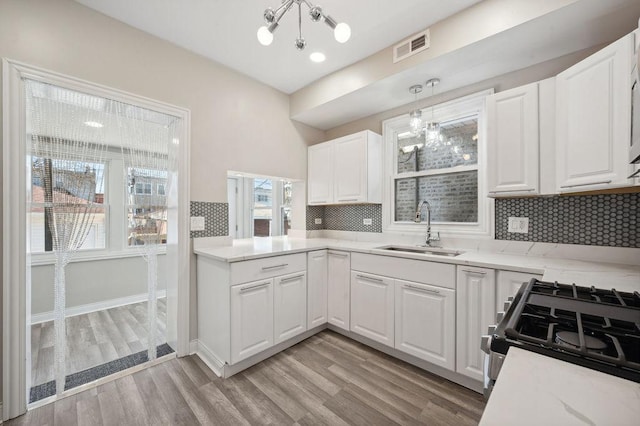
(599, 220)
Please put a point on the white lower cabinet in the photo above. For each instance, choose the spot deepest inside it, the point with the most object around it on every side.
(508, 283)
(475, 311)
(317, 269)
(290, 306)
(251, 319)
(372, 307)
(425, 322)
(338, 288)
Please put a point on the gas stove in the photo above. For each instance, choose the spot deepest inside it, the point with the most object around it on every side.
(593, 327)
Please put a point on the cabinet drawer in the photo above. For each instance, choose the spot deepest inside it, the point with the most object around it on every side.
(268, 267)
(433, 273)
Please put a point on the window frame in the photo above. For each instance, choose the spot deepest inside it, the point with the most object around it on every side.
(116, 229)
(455, 109)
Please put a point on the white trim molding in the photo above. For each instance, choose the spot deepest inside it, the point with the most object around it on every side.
(95, 307)
(16, 275)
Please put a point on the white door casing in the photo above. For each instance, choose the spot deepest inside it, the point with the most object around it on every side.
(16, 276)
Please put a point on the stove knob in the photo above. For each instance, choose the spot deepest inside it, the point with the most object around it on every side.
(485, 344)
(499, 316)
(510, 299)
(507, 304)
(492, 330)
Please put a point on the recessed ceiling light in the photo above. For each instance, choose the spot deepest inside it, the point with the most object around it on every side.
(317, 57)
(93, 124)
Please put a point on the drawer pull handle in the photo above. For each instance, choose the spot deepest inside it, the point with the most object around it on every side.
(587, 184)
(427, 290)
(295, 277)
(320, 256)
(251, 287)
(364, 277)
(333, 253)
(474, 272)
(268, 268)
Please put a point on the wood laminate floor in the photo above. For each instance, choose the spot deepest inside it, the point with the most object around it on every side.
(326, 379)
(94, 339)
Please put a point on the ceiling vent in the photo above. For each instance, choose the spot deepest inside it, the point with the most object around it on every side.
(409, 47)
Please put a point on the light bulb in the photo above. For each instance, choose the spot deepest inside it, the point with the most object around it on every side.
(342, 32)
(264, 36)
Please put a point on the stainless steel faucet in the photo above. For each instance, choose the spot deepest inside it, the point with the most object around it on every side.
(418, 219)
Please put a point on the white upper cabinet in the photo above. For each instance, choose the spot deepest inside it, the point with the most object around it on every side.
(521, 140)
(346, 170)
(513, 141)
(320, 173)
(593, 120)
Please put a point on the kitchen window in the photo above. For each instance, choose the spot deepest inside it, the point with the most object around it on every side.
(447, 170)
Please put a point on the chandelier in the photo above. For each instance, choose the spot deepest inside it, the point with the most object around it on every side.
(341, 31)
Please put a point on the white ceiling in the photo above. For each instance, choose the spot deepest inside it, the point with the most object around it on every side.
(225, 31)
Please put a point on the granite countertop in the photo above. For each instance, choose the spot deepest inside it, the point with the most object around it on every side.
(534, 389)
(614, 275)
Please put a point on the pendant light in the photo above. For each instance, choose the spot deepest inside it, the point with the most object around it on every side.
(341, 31)
(433, 127)
(415, 117)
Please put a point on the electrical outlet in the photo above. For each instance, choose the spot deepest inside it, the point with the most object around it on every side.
(367, 221)
(519, 225)
(318, 221)
(197, 223)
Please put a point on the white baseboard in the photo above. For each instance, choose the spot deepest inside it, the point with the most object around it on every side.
(205, 354)
(93, 307)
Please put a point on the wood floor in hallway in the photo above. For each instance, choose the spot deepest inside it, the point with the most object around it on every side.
(94, 339)
(326, 379)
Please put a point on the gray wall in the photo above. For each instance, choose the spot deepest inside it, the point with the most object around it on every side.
(94, 281)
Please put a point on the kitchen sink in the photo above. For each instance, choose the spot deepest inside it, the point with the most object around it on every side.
(436, 251)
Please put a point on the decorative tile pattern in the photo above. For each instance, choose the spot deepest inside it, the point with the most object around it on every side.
(349, 218)
(600, 220)
(314, 212)
(216, 218)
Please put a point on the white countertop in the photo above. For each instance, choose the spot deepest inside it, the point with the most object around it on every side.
(610, 275)
(534, 389)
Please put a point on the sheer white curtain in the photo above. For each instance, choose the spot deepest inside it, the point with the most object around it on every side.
(69, 135)
(64, 152)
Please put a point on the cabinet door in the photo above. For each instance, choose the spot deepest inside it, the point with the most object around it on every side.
(425, 322)
(513, 141)
(350, 168)
(317, 288)
(251, 319)
(320, 173)
(475, 311)
(372, 306)
(338, 288)
(290, 306)
(593, 120)
(508, 283)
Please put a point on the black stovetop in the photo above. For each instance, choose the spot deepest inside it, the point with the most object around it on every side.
(593, 327)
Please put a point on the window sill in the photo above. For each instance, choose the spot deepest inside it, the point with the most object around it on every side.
(40, 259)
